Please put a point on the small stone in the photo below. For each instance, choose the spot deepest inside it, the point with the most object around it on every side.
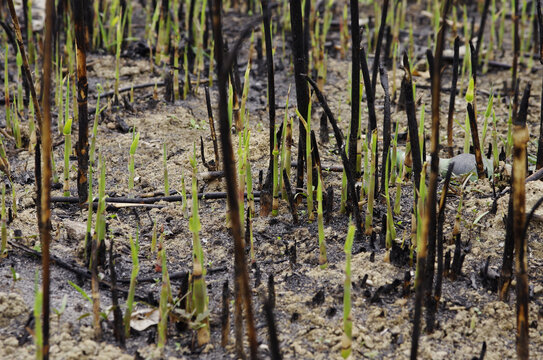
(538, 289)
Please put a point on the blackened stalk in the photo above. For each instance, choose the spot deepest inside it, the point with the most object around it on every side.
(45, 233)
(355, 83)
(212, 127)
(481, 28)
(290, 197)
(429, 218)
(476, 144)
(440, 222)
(118, 330)
(520, 139)
(386, 123)
(506, 271)
(272, 330)
(35, 101)
(370, 99)
(240, 263)
(302, 91)
(349, 170)
(450, 118)
(407, 88)
(82, 148)
(539, 162)
(540, 21)
(225, 315)
(271, 83)
(516, 53)
(376, 64)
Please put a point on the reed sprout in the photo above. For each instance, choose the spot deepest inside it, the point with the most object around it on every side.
(371, 185)
(134, 250)
(165, 294)
(3, 220)
(323, 261)
(165, 163)
(132, 154)
(347, 340)
(67, 131)
(199, 290)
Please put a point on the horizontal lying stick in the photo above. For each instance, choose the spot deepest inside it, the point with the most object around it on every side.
(85, 273)
(212, 175)
(147, 200)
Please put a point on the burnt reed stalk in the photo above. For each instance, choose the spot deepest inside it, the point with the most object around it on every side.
(82, 147)
(539, 161)
(407, 88)
(386, 124)
(450, 117)
(349, 170)
(45, 233)
(540, 22)
(518, 193)
(37, 108)
(118, 330)
(271, 82)
(481, 31)
(376, 64)
(212, 127)
(240, 262)
(476, 144)
(440, 222)
(275, 351)
(506, 271)
(355, 81)
(370, 99)
(516, 53)
(302, 91)
(429, 218)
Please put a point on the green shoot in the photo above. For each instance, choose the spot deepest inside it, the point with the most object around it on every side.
(133, 148)
(4, 245)
(166, 183)
(371, 187)
(165, 291)
(275, 176)
(134, 249)
(347, 339)
(199, 293)
(323, 261)
(67, 131)
(391, 230)
(38, 330)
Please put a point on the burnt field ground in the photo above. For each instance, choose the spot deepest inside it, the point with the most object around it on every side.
(181, 128)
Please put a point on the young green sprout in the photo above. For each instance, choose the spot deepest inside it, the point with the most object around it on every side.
(4, 245)
(67, 131)
(308, 160)
(343, 203)
(183, 195)
(391, 230)
(371, 187)
(323, 260)
(166, 183)
(165, 294)
(38, 329)
(276, 184)
(119, 38)
(133, 148)
(199, 290)
(347, 339)
(134, 249)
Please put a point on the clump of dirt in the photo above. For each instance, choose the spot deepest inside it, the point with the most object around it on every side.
(12, 306)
